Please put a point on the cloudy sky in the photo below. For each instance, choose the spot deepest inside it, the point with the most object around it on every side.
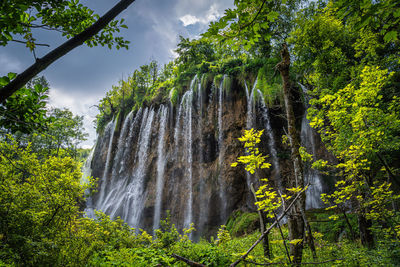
(79, 79)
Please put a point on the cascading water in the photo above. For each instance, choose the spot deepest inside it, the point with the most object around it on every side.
(312, 176)
(110, 129)
(128, 144)
(121, 145)
(313, 193)
(250, 119)
(203, 212)
(119, 176)
(221, 154)
(87, 172)
(163, 115)
(125, 198)
(177, 158)
(135, 193)
(187, 99)
(250, 106)
(118, 160)
(271, 139)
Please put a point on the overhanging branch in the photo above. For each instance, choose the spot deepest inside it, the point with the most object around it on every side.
(79, 39)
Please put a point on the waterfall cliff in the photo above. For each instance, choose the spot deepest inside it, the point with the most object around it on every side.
(177, 158)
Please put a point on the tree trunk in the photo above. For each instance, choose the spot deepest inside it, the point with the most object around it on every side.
(79, 39)
(266, 247)
(352, 234)
(295, 220)
(366, 236)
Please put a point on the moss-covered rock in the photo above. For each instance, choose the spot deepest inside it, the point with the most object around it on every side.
(241, 223)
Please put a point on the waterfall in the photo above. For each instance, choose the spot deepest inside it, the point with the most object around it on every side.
(250, 106)
(129, 141)
(119, 177)
(271, 139)
(163, 114)
(187, 99)
(126, 198)
(135, 195)
(121, 145)
(221, 155)
(250, 124)
(86, 172)
(313, 193)
(175, 158)
(118, 160)
(203, 212)
(110, 129)
(177, 129)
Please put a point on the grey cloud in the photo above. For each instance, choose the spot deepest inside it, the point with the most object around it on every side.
(81, 78)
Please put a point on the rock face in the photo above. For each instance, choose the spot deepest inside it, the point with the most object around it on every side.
(177, 159)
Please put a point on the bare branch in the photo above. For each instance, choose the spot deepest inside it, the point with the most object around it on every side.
(281, 263)
(23, 42)
(270, 228)
(187, 261)
(252, 21)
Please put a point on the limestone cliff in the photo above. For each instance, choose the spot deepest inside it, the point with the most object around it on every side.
(178, 158)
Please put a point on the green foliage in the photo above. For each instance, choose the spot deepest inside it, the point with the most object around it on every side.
(83, 154)
(270, 87)
(326, 67)
(231, 66)
(132, 257)
(332, 225)
(361, 129)
(67, 17)
(173, 96)
(242, 223)
(25, 111)
(63, 134)
(380, 16)
(348, 55)
(38, 198)
(251, 25)
(147, 85)
(254, 159)
(100, 242)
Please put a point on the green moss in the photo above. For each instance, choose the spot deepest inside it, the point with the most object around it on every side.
(232, 66)
(203, 67)
(270, 87)
(173, 96)
(205, 79)
(218, 78)
(240, 223)
(227, 84)
(118, 120)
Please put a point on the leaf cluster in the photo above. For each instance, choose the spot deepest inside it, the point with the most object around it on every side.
(19, 18)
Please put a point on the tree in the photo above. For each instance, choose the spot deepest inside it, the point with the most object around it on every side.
(25, 111)
(64, 132)
(56, 15)
(353, 83)
(243, 28)
(38, 200)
